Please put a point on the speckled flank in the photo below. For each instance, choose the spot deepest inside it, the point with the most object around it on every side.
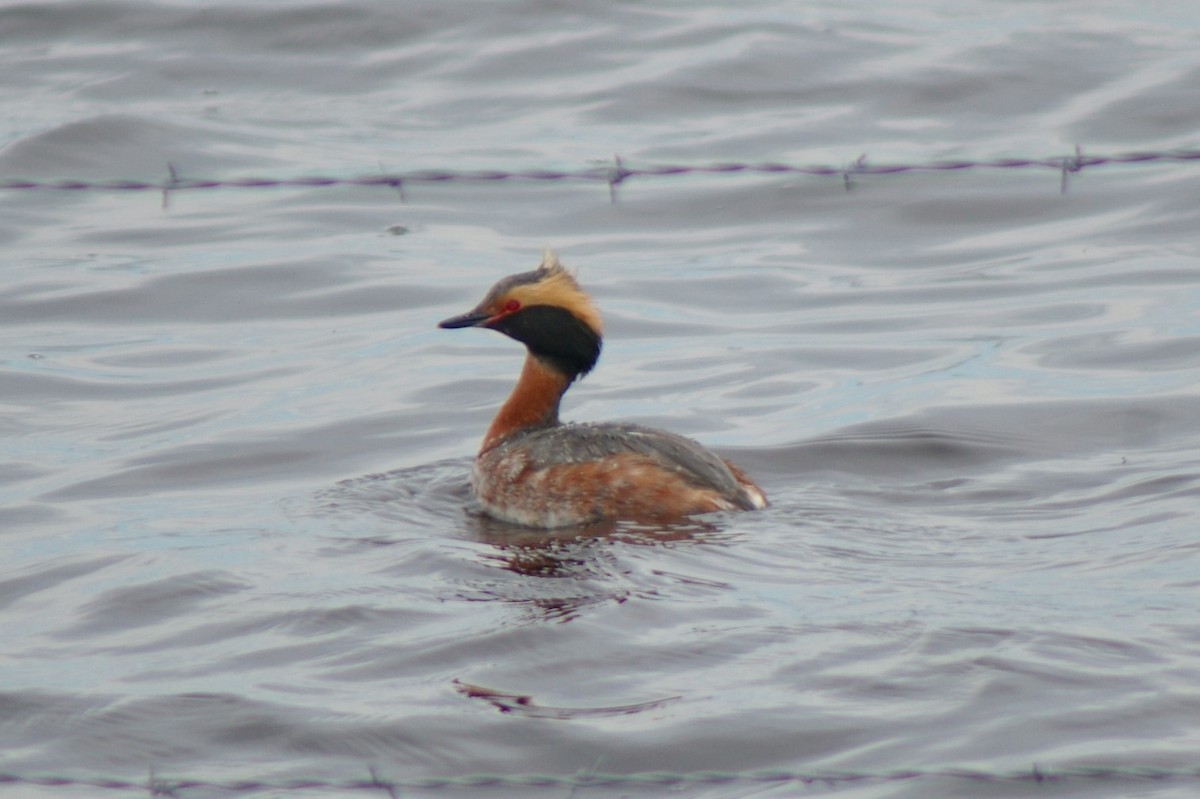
(629, 486)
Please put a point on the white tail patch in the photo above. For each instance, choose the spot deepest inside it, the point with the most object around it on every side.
(757, 498)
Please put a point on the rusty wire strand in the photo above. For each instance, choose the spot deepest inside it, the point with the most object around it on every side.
(159, 785)
(614, 175)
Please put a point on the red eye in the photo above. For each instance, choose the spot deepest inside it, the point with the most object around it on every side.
(512, 305)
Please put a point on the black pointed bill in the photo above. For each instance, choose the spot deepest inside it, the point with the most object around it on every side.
(468, 319)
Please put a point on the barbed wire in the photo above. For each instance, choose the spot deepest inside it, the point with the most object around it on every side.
(162, 786)
(614, 174)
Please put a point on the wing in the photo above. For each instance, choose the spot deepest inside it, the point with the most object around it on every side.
(583, 443)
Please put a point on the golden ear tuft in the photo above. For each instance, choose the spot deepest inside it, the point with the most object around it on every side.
(555, 285)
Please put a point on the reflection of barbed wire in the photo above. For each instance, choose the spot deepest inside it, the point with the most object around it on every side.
(613, 175)
(160, 786)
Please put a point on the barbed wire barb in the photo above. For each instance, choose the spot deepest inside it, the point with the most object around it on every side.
(617, 174)
(855, 166)
(395, 181)
(1070, 165)
(156, 786)
(172, 179)
(385, 784)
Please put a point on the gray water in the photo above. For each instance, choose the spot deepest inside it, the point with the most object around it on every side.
(238, 539)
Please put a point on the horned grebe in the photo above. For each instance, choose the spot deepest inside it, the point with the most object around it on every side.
(535, 471)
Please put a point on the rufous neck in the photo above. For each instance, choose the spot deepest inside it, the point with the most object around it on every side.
(532, 403)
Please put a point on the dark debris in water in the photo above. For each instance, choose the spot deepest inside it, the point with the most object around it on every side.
(526, 705)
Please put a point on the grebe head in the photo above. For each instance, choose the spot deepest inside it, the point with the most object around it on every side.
(547, 312)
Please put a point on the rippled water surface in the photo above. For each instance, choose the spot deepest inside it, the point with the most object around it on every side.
(239, 545)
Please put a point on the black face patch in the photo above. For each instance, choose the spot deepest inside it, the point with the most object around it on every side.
(555, 335)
